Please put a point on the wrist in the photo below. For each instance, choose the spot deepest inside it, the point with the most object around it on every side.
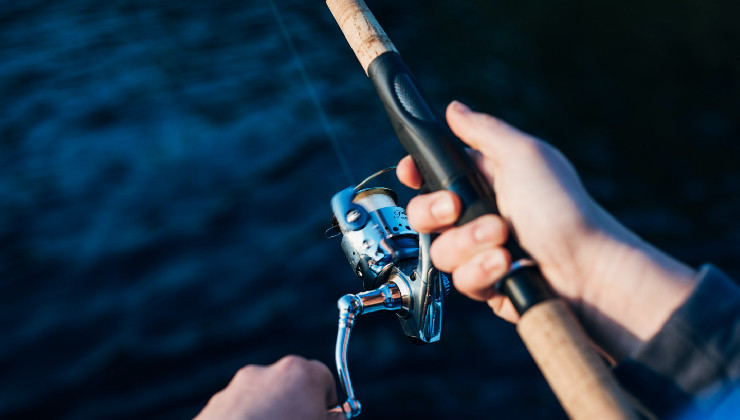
(633, 290)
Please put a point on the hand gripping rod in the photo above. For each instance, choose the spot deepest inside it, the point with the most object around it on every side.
(578, 377)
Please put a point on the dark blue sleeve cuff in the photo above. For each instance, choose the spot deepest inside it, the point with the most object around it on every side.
(691, 367)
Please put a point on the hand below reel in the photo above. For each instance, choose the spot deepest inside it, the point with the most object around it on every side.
(397, 274)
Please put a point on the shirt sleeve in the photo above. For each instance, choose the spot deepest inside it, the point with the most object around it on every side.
(690, 369)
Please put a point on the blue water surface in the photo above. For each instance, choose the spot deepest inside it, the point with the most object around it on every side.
(165, 180)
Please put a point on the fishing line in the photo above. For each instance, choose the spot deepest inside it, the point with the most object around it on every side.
(373, 176)
(312, 93)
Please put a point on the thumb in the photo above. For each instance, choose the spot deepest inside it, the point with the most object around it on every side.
(492, 137)
(337, 416)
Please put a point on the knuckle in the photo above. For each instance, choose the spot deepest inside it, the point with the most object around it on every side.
(291, 362)
(246, 375)
(246, 371)
(296, 368)
(477, 276)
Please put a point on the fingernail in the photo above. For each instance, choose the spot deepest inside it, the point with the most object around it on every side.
(460, 107)
(492, 263)
(484, 232)
(442, 209)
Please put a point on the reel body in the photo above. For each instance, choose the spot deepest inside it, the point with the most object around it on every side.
(381, 248)
(393, 262)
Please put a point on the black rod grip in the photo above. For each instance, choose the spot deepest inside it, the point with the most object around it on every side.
(444, 164)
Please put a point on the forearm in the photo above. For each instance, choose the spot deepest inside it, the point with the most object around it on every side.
(693, 363)
(640, 288)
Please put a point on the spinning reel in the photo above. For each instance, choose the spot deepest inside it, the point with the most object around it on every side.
(393, 262)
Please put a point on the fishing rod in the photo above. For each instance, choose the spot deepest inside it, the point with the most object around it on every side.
(578, 377)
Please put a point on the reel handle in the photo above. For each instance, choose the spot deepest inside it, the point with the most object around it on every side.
(547, 326)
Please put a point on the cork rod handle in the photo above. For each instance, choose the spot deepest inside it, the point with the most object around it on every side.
(363, 33)
(579, 378)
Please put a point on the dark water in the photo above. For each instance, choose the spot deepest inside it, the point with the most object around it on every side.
(164, 185)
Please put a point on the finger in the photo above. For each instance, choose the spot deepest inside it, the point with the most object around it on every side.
(458, 245)
(244, 377)
(325, 381)
(503, 307)
(336, 415)
(493, 137)
(309, 376)
(476, 277)
(408, 174)
(434, 211)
